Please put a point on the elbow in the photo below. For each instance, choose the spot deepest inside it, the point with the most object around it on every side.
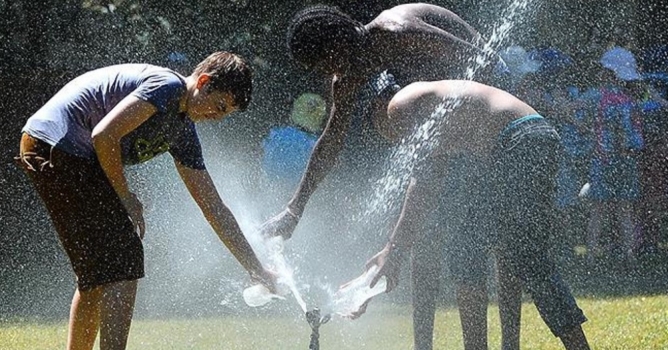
(98, 139)
(101, 139)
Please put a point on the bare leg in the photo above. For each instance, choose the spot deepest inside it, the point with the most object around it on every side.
(575, 340)
(594, 230)
(117, 307)
(510, 306)
(472, 302)
(84, 319)
(627, 227)
(425, 271)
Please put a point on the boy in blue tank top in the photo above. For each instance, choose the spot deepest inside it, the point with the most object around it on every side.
(74, 148)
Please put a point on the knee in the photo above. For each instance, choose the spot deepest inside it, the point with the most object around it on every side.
(90, 296)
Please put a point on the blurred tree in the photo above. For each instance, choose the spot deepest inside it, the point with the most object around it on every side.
(652, 22)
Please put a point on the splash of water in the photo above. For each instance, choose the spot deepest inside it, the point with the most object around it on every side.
(275, 260)
(415, 148)
(349, 299)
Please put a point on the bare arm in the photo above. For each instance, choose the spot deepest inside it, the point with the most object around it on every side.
(126, 116)
(202, 189)
(328, 147)
(442, 19)
(323, 158)
(392, 256)
(404, 233)
(445, 34)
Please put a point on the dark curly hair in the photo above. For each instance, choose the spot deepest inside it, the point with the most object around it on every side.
(323, 34)
(229, 73)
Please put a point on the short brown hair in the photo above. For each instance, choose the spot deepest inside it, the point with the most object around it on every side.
(229, 73)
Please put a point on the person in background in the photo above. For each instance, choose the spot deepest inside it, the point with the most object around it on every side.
(519, 67)
(73, 150)
(652, 167)
(614, 176)
(287, 148)
(567, 107)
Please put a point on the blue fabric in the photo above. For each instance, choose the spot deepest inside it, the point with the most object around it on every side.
(552, 60)
(163, 90)
(614, 170)
(654, 59)
(287, 150)
(523, 127)
(615, 178)
(513, 124)
(67, 120)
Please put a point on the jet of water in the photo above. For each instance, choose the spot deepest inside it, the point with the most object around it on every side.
(413, 149)
(275, 260)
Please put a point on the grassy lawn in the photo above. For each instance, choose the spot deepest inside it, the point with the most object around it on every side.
(620, 323)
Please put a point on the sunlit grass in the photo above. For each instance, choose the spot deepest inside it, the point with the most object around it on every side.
(621, 323)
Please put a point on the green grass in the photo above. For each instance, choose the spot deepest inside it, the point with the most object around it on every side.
(620, 323)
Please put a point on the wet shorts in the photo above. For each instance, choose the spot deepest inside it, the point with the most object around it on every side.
(92, 224)
(525, 171)
(467, 220)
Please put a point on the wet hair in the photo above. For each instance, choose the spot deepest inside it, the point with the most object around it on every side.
(320, 34)
(229, 73)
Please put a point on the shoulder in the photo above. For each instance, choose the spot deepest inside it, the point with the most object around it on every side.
(163, 76)
(161, 87)
(412, 96)
(422, 89)
(418, 10)
(394, 19)
(386, 20)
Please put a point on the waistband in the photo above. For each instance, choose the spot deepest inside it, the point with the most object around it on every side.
(515, 123)
(517, 129)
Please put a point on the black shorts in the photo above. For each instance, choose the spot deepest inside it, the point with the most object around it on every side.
(92, 223)
(467, 219)
(526, 163)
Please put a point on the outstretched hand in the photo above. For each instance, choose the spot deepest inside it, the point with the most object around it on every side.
(283, 224)
(136, 212)
(388, 263)
(267, 278)
(357, 314)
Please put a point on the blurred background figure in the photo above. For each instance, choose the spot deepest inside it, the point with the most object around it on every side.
(521, 70)
(178, 61)
(649, 95)
(614, 176)
(287, 148)
(549, 77)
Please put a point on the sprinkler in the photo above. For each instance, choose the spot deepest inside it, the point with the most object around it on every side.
(315, 320)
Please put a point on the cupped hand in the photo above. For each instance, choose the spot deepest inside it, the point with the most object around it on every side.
(357, 314)
(283, 224)
(267, 278)
(388, 265)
